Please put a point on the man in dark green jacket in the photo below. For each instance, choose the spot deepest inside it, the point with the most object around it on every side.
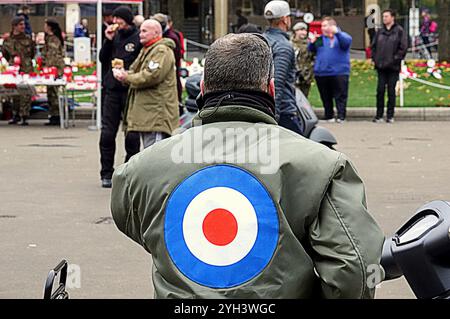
(152, 103)
(239, 207)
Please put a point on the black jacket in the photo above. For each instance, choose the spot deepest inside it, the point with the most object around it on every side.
(389, 48)
(126, 46)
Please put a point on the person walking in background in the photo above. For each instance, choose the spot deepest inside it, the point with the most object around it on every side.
(19, 49)
(303, 57)
(81, 29)
(152, 105)
(241, 20)
(428, 29)
(250, 28)
(389, 48)
(278, 13)
(170, 34)
(137, 20)
(53, 56)
(179, 34)
(123, 44)
(25, 13)
(107, 21)
(332, 68)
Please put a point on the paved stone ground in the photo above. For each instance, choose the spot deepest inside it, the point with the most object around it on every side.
(52, 205)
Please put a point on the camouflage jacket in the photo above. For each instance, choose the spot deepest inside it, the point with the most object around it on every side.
(304, 61)
(20, 45)
(53, 53)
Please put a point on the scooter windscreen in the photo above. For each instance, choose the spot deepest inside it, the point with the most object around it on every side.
(420, 250)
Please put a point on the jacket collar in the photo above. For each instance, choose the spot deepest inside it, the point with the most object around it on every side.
(394, 26)
(231, 113)
(277, 31)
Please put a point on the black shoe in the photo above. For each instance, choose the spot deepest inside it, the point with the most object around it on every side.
(53, 121)
(24, 121)
(106, 183)
(14, 120)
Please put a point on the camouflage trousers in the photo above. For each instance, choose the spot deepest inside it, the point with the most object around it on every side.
(53, 103)
(21, 105)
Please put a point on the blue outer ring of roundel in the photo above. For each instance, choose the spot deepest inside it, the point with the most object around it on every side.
(268, 227)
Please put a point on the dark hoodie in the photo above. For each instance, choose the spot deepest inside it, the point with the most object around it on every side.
(125, 46)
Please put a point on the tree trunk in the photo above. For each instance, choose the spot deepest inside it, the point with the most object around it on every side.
(443, 29)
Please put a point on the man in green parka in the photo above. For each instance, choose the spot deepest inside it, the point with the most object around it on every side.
(239, 207)
(152, 104)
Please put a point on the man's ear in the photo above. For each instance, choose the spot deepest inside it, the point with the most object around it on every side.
(202, 87)
(272, 87)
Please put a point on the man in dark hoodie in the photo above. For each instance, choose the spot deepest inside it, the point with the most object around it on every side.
(389, 48)
(122, 44)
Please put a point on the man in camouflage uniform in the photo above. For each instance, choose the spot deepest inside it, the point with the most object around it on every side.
(18, 44)
(304, 58)
(53, 56)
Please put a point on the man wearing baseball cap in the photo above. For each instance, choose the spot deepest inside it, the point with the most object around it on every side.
(278, 14)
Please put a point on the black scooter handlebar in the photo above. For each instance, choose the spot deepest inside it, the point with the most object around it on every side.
(420, 251)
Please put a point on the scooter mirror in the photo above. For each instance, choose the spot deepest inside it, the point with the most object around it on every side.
(420, 250)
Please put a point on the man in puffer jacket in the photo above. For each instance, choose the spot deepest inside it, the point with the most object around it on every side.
(278, 14)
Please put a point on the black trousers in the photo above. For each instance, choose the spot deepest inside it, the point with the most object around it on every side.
(112, 111)
(333, 88)
(386, 78)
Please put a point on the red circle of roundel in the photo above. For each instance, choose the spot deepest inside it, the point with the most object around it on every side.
(220, 227)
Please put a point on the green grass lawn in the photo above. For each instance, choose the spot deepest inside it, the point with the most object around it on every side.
(362, 90)
(363, 82)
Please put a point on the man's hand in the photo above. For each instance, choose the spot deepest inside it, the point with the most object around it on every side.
(110, 32)
(313, 37)
(120, 74)
(334, 29)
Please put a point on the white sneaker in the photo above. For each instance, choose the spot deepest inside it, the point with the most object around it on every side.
(391, 121)
(340, 121)
(377, 120)
(333, 120)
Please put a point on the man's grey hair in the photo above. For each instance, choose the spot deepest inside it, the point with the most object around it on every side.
(238, 62)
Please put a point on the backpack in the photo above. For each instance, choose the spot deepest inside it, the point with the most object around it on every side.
(433, 27)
